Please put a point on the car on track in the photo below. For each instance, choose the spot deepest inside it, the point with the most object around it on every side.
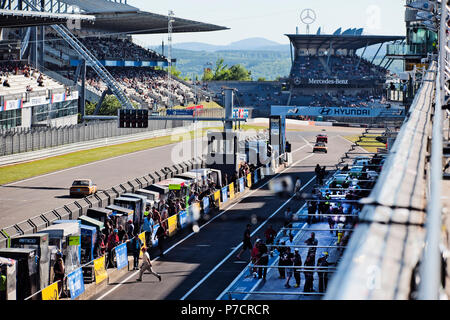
(320, 147)
(322, 138)
(82, 187)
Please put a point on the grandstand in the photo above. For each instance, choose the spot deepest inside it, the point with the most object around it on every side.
(102, 42)
(326, 72)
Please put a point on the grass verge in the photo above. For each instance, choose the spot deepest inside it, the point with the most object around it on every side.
(21, 171)
(368, 143)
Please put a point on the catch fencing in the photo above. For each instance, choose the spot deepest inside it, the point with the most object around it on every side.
(25, 139)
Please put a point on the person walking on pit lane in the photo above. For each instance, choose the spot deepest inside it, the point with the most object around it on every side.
(246, 242)
(146, 265)
(297, 263)
(312, 241)
(270, 234)
(309, 274)
(161, 235)
(136, 245)
(263, 256)
(323, 275)
(289, 262)
(147, 227)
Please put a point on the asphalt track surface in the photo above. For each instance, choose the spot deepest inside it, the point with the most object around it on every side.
(28, 198)
(199, 266)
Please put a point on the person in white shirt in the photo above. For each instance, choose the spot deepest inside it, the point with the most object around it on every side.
(290, 242)
(146, 265)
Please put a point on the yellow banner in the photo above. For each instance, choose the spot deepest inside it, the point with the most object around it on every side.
(172, 224)
(100, 270)
(231, 189)
(51, 292)
(142, 238)
(217, 198)
(249, 180)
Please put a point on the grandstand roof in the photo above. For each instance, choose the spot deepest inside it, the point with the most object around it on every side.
(21, 18)
(117, 17)
(340, 41)
(140, 22)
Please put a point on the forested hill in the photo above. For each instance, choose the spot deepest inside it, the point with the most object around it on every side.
(262, 64)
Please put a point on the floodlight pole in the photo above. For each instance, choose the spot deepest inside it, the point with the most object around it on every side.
(169, 55)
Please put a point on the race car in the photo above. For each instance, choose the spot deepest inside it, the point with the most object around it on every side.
(320, 147)
(322, 138)
(82, 187)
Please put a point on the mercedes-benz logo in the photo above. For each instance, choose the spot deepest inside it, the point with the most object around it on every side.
(308, 16)
(297, 81)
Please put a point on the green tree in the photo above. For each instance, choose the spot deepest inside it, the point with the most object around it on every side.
(239, 73)
(260, 79)
(109, 106)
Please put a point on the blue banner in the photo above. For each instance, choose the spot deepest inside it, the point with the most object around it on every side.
(121, 256)
(255, 176)
(241, 184)
(154, 239)
(75, 282)
(179, 112)
(224, 194)
(183, 216)
(336, 111)
(205, 205)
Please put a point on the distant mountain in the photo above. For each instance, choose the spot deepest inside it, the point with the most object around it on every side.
(250, 44)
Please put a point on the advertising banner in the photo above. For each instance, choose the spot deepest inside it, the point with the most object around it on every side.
(180, 112)
(154, 239)
(241, 184)
(231, 188)
(74, 241)
(205, 205)
(261, 173)
(249, 180)
(58, 97)
(12, 105)
(334, 111)
(51, 292)
(224, 194)
(217, 198)
(183, 216)
(172, 224)
(100, 269)
(75, 282)
(121, 256)
(142, 238)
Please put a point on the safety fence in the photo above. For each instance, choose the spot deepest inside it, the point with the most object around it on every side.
(392, 237)
(24, 140)
(74, 284)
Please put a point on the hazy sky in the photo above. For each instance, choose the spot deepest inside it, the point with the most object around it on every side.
(272, 19)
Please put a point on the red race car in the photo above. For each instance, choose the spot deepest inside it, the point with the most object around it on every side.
(322, 138)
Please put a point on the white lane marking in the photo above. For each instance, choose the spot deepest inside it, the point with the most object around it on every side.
(91, 163)
(253, 233)
(204, 225)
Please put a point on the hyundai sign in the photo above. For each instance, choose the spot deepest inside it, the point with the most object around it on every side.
(336, 111)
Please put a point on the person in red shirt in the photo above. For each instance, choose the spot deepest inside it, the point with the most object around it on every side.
(270, 234)
(113, 241)
(254, 257)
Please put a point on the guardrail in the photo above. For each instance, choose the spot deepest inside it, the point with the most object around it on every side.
(382, 255)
